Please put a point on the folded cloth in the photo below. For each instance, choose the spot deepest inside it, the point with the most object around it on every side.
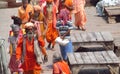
(62, 42)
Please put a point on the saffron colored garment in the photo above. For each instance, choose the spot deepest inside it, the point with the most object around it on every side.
(32, 72)
(51, 33)
(64, 67)
(24, 14)
(41, 18)
(29, 58)
(80, 16)
(57, 4)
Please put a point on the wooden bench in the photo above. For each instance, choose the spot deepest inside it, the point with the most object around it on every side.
(111, 12)
(104, 39)
(87, 61)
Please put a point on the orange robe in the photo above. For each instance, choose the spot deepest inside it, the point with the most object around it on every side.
(42, 25)
(29, 58)
(80, 16)
(24, 14)
(51, 33)
(57, 4)
(63, 65)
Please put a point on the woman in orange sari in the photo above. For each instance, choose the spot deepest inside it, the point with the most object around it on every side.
(80, 16)
(50, 12)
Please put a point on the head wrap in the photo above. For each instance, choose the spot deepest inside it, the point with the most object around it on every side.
(15, 27)
(49, 0)
(29, 24)
(68, 3)
(37, 8)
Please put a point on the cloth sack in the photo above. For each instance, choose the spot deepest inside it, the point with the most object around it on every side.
(62, 42)
(37, 51)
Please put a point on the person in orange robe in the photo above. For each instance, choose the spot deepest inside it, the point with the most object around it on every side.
(39, 17)
(59, 65)
(27, 56)
(80, 15)
(50, 12)
(24, 12)
(56, 2)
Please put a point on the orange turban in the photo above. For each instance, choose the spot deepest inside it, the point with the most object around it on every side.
(37, 8)
(68, 3)
(49, 0)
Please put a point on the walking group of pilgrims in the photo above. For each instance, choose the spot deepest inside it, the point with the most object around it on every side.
(40, 23)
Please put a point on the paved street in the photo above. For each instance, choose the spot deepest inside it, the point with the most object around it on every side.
(94, 23)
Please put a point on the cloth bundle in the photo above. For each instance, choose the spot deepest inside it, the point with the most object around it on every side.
(62, 42)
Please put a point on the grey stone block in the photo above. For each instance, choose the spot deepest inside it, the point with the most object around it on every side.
(3, 4)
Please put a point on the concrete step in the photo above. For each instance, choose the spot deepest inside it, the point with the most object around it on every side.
(3, 4)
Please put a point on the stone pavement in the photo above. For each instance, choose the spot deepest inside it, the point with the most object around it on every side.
(94, 23)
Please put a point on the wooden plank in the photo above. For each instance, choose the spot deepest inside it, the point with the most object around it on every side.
(99, 57)
(113, 57)
(85, 58)
(78, 37)
(98, 36)
(91, 37)
(73, 39)
(71, 58)
(92, 58)
(107, 36)
(113, 10)
(112, 7)
(84, 37)
(78, 58)
(107, 57)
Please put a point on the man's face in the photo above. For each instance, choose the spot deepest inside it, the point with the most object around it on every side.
(16, 33)
(25, 4)
(30, 33)
(36, 13)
